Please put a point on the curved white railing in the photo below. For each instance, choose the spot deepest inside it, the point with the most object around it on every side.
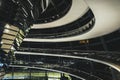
(114, 66)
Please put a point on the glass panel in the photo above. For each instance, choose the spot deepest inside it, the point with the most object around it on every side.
(56, 75)
(53, 79)
(21, 32)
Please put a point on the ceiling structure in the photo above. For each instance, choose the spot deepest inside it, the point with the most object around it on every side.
(81, 39)
(106, 15)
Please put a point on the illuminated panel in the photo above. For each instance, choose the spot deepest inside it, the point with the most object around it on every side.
(15, 22)
(11, 39)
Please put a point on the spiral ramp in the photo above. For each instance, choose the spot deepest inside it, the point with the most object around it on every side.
(79, 20)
